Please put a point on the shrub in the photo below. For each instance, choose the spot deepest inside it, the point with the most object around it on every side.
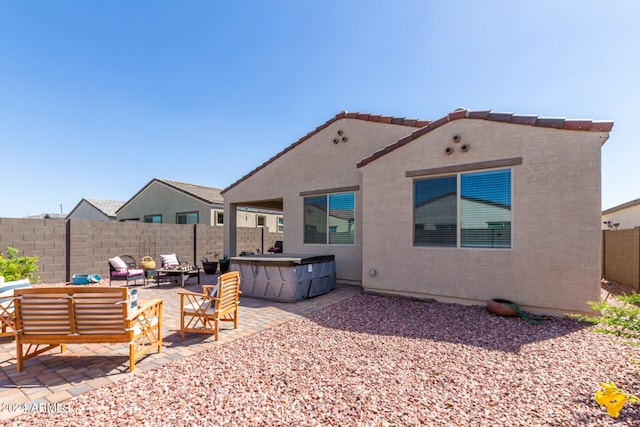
(14, 267)
(621, 319)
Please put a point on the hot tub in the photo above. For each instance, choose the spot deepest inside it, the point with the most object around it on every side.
(285, 277)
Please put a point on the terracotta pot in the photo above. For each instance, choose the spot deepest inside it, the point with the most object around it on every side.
(497, 306)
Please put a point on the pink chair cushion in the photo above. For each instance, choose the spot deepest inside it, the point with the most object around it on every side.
(118, 264)
(169, 260)
(130, 273)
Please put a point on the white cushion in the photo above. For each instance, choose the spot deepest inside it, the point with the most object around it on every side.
(118, 264)
(169, 260)
(7, 288)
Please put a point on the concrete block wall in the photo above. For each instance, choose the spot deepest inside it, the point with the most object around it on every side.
(251, 239)
(621, 256)
(209, 241)
(44, 238)
(79, 246)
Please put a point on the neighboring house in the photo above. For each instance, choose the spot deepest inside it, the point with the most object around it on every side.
(47, 216)
(95, 210)
(473, 206)
(172, 202)
(621, 217)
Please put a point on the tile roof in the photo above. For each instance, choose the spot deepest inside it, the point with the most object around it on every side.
(204, 193)
(210, 195)
(425, 126)
(632, 203)
(107, 207)
(519, 119)
(377, 118)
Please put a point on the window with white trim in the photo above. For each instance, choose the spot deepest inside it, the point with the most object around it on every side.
(330, 219)
(468, 210)
(262, 220)
(219, 218)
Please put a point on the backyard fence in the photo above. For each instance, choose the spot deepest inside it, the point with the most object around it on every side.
(621, 256)
(76, 246)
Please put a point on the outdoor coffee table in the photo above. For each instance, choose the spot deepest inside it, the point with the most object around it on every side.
(182, 274)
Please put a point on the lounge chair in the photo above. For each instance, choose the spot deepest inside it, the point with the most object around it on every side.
(124, 268)
(276, 248)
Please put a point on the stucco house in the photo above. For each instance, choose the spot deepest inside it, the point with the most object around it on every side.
(173, 202)
(95, 210)
(472, 206)
(622, 217)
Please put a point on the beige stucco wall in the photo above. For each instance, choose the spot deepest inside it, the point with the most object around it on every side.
(158, 199)
(625, 218)
(317, 164)
(555, 261)
(86, 211)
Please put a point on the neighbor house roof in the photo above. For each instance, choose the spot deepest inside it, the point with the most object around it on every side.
(107, 207)
(210, 195)
(425, 126)
(342, 115)
(622, 206)
(518, 119)
(47, 216)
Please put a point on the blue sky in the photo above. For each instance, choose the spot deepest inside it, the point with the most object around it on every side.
(99, 97)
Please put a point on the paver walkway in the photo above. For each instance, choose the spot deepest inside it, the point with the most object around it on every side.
(54, 377)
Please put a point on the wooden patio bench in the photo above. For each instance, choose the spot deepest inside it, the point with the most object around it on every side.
(46, 318)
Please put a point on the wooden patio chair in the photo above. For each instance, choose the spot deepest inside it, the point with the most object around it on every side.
(203, 312)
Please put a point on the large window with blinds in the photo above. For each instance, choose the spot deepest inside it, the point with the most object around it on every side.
(330, 219)
(469, 210)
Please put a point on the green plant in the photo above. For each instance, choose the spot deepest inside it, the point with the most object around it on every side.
(621, 319)
(14, 267)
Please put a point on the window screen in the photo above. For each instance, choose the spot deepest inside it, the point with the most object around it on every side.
(436, 211)
(341, 219)
(315, 219)
(485, 209)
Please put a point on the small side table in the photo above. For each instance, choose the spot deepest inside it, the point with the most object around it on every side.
(150, 273)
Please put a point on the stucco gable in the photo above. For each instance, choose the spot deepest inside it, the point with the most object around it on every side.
(519, 119)
(373, 118)
(107, 207)
(209, 195)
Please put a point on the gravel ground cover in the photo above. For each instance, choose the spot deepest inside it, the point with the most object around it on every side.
(377, 361)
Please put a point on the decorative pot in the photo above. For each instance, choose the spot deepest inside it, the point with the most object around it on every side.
(224, 265)
(147, 263)
(500, 307)
(210, 267)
